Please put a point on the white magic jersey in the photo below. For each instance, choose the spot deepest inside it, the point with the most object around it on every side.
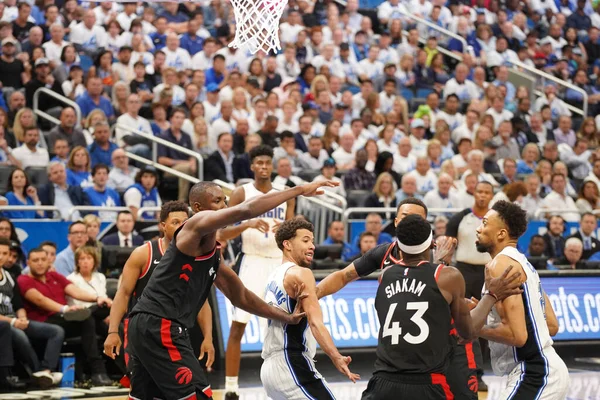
(506, 358)
(255, 242)
(282, 338)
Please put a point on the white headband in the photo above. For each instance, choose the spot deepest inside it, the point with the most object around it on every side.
(416, 249)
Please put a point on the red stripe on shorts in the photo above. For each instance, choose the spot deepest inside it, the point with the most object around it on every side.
(165, 338)
(439, 379)
(470, 355)
(125, 328)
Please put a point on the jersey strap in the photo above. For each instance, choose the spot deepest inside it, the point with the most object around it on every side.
(437, 271)
(149, 262)
(387, 253)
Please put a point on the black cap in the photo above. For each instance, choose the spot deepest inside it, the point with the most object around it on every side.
(344, 46)
(341, 106)
(330, 162)
(14, 245)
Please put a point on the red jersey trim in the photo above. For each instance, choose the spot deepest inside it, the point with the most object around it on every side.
(209, 255)
(149, 262)
(437, 271)
(167, 341)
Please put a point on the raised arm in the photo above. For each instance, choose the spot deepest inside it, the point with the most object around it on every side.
(336, 281)
(131, 272)
(297, 277)
(452, 286)
(233, 288)
(204, 223)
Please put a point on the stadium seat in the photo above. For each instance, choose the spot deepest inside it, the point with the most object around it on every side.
(407, 94)
(423, 93)
(328, 264)
(309, 175)
(37, 175)
(357, 198)
(5, 171)
(330, 251)
(86, 62)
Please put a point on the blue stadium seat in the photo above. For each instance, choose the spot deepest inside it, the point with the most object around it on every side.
(423, 93)
(86, 62)
(407, 94)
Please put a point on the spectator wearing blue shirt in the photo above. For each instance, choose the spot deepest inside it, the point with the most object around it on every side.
(78, 167)
(190, 41)
(101, 148)
(172, 14)
(335, 235)
(159, 38)
(21, 193)
(93, 99)
(65, 260)
(101, 195)
(216, 74)
(373, 224)
(528, 162)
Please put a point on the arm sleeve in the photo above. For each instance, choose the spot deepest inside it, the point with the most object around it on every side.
(62, 281)
(371, 260)
(24, 283)
(452, 227)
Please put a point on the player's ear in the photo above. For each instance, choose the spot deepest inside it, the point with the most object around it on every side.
(287, 245)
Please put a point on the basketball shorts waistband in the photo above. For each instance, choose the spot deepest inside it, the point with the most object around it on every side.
(416, 379)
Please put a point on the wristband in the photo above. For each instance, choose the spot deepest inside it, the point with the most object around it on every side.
(64, 309)
(491, 294)
(110, 333)
(13, 322)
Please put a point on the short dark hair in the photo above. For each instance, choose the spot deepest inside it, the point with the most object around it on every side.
(5, 242)
(412, 200)
(585, 214)
(124, 212)
(79, 222)
(334, 222)
(178, 110)
(198, 191)
(99, 167)
(286, 135)
(144, 171)
(171, 207)
(413, 230)
(485, 183)
(48, 243)
(287, 230)
(221, 135)
(36, 250)
(365, 234)
(261, 150)
(453, 96)
(218, 56)
(514, 217)
(555, 174)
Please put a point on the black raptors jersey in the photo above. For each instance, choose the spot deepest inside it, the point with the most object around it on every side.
(415, 320)
(179, 285)
(155, 253)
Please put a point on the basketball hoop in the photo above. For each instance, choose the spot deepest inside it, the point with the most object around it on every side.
(257, 24)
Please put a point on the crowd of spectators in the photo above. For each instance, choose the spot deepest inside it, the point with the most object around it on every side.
(359, 93)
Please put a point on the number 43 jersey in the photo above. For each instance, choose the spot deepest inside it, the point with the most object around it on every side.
(415, 321)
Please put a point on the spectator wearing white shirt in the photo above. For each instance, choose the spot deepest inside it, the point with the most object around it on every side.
(327, 58)
(121, 175)
(404, 161)
(426, 178)
(370, 67)
(442, 197)
(29, 154)
(417, 137)
(502, 55)
(498, 112)
(105, 11)
(451, 115)
(387, 53)
(131, 119)
(359, 100)
(557, 200)
(386, 141)
(557, 106)
(171, 82)
(177, 57)
(466, 195)
(389, 10)
(532, 201)
(203, 59)
(55, 45)
(464, 88)
(468, 128)
(87, 278)
(212, 106)
(475, 166)
(127, 16)
(315, 156)
(328, 172)
(388, 96)
(344, 156)
(289, 29)
(225, 123)
(88, 35)
(287, 65)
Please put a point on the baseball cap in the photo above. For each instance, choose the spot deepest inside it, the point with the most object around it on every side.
(9, 40)
(417, 123)
(389, 64)
(341, 106)
(330, 162)
(490, 143)
(577, 51)
(41, 61)
(545, 41)
(212, 87)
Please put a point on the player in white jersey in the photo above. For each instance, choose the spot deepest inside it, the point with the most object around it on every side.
(260, 255)
(519, 327)
(288, 372)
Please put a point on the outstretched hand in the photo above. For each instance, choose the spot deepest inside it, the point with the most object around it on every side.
(503, 286)
(315, 188)
(341, 363)
(444, 248)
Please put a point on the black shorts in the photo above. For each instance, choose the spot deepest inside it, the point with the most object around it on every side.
(387, 386)
(462, 372)
(162, 363)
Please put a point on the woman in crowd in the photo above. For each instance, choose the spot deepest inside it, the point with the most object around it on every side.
(103, 69)
(241, 107)
(440, 75)
(144, 193)
(68, 58)
(588, 130)
(78, 168)
(87, 278)
(372, 153)
(386, 140)
(21, 193)
(256, 71)
(289, 121)
(92, 225)
(159, 122)
(384, 163)
(200, 138)
(26, 117)
(384, 194)
(197, 111)
(92, 119)
(544, 172)
(442, 134)
(529, 157)
(588, 198)
(434, 153)
(331, 137)
(377, 120)
(513, 192)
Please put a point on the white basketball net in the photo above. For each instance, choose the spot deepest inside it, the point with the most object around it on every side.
(257, 24)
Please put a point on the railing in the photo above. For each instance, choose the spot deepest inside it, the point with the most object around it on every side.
(56, 211)
(66, 100)
(161, 167)
(541, 211)
(436, 28)
(156, 141)
(142, 210)
(544, 75)
(96, 208)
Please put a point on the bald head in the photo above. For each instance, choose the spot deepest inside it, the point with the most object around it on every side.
(203, 194)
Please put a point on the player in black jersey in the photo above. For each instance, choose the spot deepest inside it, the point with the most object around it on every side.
(136, 275)
(162, 362)
(416, 302)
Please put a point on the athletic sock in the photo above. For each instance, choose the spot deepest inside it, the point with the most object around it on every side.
(231, 384)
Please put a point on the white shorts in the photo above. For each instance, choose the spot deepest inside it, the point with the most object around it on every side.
(293, 378)
(254, 273)
(537, 383)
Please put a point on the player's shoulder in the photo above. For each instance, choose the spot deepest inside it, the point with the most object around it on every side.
(501, 263)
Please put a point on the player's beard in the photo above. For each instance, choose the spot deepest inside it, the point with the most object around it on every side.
(483, 248)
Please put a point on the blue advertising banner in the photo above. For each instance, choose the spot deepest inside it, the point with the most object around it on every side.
(351, 319)
(32, 233)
